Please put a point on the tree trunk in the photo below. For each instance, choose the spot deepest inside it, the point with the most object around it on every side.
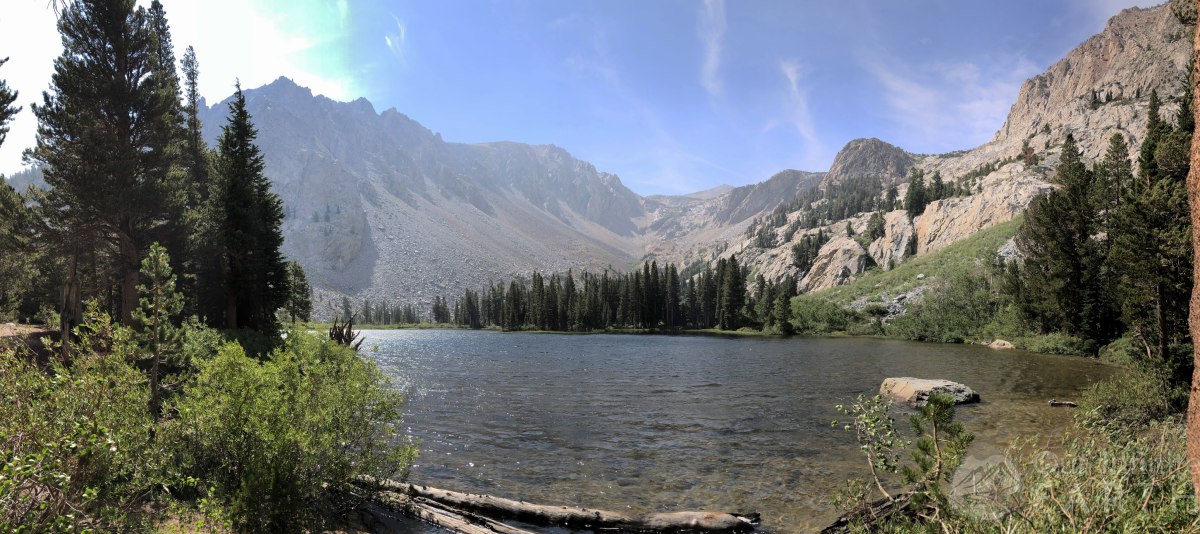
(564, 516)
(1193, 188)
(130, 270)
(69, 313)
(231, 298)
(1160, 318)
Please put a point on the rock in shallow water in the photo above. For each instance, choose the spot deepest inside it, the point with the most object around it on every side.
(916, 391)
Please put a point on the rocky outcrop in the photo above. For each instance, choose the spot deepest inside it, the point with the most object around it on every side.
(870, 158)
(916, 391)
(1140, 50)
(898, 236)
(1005, 194)
(838, 263)
(1001, 344)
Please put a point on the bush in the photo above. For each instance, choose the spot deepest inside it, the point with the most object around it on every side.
(76, 451)
(1056, 343)
(1131, 400)
(1103, 483)
(815, 316)
(271, 436)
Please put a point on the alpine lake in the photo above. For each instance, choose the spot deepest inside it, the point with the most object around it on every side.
(660, 423)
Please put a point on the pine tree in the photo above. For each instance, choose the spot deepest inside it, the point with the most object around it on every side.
(204, 277)
(255, 270)
(299, 300)
(158, 306)
(104, 136)
(915, 197)
(7, 111)
(1151, 244)
(1061, 257)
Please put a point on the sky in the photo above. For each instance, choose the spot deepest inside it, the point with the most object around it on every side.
(672, 96)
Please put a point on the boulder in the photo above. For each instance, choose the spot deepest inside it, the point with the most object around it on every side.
(1001, 344)
(916, 391)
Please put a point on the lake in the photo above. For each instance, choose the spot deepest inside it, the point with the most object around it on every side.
(657, 423)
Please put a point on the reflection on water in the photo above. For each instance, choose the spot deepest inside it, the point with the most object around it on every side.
(655, 423)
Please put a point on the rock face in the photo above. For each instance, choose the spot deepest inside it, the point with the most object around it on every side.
(837, 263)
(1001, 344)
(898, 235)
(1005, 195)
(916, 391)
(870, 158)
(1139, 50)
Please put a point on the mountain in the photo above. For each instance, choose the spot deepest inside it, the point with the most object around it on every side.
(380, 206)
(708, 194)
(1098, 89)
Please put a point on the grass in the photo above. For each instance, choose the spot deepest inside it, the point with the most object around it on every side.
(957, 257)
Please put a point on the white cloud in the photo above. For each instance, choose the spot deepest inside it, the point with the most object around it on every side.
(395, 41)
(941, 106)
(233, 39)
(799, 115)
(711, 31)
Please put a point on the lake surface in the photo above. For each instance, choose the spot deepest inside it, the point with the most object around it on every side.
(657, 423)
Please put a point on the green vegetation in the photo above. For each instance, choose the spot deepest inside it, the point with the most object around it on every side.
(1122, 474)
(956, 258)
(121, 422)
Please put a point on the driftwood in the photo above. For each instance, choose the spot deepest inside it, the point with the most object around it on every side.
(433, 502)
(1068, 404)
(870, 513)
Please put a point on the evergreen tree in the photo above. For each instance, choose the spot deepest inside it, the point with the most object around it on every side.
(158, 305)
(299, 298)
(875, 226)
(1063, 259)
(104, 136)
(204, 277)
(1151, 246)
(251, 215)
(731, 295)
(7, 111)
(915, 197)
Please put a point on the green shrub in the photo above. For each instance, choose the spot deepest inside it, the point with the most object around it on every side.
(1105, 483)
(1056, 343)
(271, 436)
(1130, 400)
(811, 315)
(76, 448)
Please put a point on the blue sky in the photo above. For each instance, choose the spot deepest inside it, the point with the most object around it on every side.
(673, 96)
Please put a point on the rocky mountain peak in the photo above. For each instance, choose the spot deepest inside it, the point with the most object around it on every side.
(869, 157)
(1100, 88)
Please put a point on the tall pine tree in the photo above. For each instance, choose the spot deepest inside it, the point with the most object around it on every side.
(255, 277)
(104, 136)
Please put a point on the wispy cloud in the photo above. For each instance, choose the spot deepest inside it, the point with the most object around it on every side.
(940, 106)
(343, 9)
(668, 165)
(395, 40)
(798, 114)
(711, 30)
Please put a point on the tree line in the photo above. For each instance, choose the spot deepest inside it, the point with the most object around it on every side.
(120, 145)
(649, 298)
(1108, 252)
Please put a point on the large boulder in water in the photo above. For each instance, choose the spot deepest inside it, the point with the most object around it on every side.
(916, 391)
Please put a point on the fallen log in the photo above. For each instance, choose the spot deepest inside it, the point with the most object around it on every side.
(1068, 404)
(567, 516)
(455, 520)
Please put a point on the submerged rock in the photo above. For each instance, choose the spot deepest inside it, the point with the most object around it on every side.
(916, 391)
